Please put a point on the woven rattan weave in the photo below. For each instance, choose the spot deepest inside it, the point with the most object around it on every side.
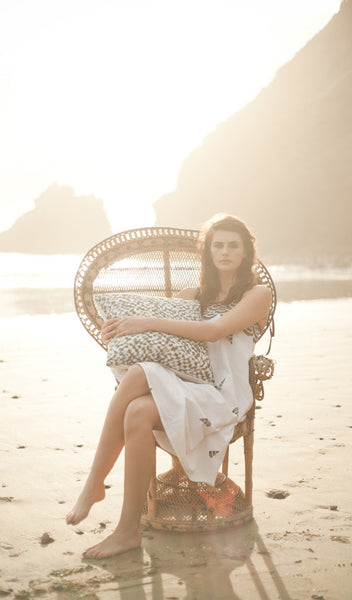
(162, 261)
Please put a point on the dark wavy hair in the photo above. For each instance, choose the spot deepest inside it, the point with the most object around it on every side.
(209, 278)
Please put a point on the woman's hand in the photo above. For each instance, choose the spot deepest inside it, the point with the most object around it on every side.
(125, 326)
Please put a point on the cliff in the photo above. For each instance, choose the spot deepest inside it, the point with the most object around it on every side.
(61, 223)
(283, 163)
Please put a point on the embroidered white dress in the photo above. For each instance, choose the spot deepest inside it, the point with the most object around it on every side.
(199, 418)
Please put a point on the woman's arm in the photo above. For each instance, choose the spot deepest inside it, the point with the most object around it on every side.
(110, 327)
(253, 308)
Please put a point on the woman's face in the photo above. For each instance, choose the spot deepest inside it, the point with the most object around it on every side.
(227, 250)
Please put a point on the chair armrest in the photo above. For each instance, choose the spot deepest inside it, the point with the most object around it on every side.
(261, 368)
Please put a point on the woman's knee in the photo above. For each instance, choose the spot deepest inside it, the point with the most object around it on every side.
(134, 383)
(135, 374)
(141, 414)
(136, 371)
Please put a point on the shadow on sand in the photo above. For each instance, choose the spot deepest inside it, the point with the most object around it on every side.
(193, 567)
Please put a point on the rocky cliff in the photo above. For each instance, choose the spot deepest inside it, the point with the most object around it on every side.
(61, 223)
(283, 163)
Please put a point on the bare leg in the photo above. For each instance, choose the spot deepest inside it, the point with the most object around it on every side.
(133, 385)
(140, 419)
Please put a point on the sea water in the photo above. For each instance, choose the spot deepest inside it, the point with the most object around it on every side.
(42, 284)
(37, 270)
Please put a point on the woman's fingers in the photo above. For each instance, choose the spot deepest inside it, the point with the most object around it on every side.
(119, 327)
(110, 323)
(108, 330)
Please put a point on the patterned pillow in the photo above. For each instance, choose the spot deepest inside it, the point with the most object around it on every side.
(187, 358)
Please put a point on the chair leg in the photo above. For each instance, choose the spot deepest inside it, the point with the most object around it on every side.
(248, 441)
(151, 496)
(225, 463)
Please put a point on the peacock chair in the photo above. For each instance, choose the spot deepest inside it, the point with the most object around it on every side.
(161, 261)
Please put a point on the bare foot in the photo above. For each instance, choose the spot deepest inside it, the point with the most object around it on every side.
(116, 543)
(91, 493)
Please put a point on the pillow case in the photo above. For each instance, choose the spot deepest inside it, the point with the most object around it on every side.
(187, 358)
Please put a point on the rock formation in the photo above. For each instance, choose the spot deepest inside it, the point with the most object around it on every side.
(61, 223)
(283, 163)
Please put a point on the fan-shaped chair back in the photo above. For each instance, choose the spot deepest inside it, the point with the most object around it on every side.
(152, 261)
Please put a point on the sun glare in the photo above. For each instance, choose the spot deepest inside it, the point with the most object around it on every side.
(111, 97)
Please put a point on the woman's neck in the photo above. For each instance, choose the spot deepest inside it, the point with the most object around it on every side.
(226, 281)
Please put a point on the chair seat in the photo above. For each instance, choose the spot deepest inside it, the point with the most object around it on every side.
(175, 503)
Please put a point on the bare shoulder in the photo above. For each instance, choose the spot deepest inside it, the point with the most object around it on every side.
(259, 293)
(188, 293)
(258, 300)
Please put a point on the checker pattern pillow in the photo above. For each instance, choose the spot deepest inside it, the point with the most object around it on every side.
(187, 358)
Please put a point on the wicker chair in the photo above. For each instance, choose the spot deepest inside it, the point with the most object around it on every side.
(162, 261)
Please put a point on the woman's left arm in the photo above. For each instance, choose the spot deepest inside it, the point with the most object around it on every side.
(253, 308)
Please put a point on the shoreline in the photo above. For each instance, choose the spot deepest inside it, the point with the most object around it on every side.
(60, 300)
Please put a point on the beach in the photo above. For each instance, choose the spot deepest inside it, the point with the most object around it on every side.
(54, 392)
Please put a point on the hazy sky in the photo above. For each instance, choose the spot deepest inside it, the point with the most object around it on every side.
(110, 96)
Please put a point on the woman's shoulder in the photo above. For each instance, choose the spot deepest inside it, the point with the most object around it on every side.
(188, 293)
(259, 295)
(259, 291)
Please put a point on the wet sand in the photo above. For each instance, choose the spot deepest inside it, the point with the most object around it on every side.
(54, 392)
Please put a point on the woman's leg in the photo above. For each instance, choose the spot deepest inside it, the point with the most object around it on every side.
(141, 417)
(133, 385)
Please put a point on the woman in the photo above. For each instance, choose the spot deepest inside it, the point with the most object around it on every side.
(193, 420)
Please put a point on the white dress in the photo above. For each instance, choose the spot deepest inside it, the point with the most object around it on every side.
(199, 418)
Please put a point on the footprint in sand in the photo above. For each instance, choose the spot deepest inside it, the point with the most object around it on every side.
(340, 538)
(46, 539)
(277, 494)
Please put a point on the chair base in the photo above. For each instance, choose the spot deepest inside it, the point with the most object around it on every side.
(183, 505)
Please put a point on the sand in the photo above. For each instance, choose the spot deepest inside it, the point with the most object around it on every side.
(54, 392)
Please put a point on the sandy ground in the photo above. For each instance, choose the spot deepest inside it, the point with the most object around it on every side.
(54, 392)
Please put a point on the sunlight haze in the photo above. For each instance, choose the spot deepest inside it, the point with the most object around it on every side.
(110, 96)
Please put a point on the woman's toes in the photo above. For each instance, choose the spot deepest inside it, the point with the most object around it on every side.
(70, 519)
(90, 552)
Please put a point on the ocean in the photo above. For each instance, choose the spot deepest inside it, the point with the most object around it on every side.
(43, 284)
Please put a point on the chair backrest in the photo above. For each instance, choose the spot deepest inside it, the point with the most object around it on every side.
(152, 261)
